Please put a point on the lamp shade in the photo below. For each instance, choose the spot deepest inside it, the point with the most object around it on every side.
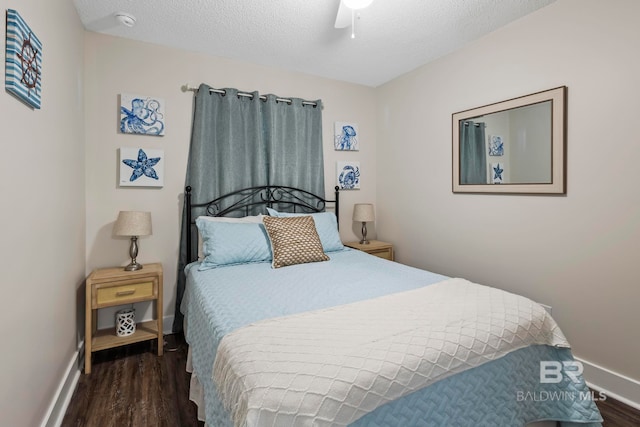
(133, 223)
(363, 212)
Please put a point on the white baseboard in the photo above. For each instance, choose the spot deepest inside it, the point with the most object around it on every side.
(612, 384)
(167, 324)
(64, 392)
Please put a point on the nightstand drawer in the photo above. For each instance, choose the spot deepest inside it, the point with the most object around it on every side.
(122, 294)
(382, 253)
(375, 248)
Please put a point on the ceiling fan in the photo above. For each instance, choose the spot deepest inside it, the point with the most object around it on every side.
(347, 12)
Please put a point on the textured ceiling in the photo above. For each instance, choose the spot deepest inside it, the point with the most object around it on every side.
(392, 36)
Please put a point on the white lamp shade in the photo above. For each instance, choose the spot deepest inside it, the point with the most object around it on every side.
(357, 4)
(363, 212)
(133, 223)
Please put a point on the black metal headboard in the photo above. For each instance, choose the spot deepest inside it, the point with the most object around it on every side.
(252, 200)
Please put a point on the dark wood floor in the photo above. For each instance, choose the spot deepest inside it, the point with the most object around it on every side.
(131, 386)
(617, 414)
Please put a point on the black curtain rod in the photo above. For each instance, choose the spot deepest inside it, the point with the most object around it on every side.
(248, 95)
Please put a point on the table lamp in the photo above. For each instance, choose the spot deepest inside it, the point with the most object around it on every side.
(363, 212)
(134, 224)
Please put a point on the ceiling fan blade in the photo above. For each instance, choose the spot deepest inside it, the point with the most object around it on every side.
(343, 17)
(105, 23)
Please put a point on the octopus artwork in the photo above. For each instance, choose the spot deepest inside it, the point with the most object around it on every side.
(144, 117)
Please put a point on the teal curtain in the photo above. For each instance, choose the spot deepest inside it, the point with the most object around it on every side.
(227, 150)
(294, 144)
(241, 141)
(473, 156)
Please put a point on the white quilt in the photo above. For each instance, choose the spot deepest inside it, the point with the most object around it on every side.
(330, 367)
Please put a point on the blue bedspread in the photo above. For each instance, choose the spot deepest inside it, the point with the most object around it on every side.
(504, 392)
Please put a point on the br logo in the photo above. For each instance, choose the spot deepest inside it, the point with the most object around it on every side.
(553, 372)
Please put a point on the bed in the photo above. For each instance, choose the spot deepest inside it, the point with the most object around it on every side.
(351, 339)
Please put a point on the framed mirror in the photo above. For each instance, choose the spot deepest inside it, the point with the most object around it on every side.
(513, 146)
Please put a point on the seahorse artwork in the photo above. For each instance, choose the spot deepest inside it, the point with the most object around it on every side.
(349, 175)
(346, 136)
(142, 115)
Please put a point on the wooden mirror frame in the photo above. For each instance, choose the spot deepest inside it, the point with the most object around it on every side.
(558, 97)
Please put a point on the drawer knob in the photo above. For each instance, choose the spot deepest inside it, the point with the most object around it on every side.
(125, 293)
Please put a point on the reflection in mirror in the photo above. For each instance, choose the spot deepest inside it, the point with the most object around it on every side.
(507, 147)
(517, 143)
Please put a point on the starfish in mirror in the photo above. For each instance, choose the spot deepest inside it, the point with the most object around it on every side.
(497, 172)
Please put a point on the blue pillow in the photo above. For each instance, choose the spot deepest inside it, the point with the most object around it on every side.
(326, 226)
(228, 243)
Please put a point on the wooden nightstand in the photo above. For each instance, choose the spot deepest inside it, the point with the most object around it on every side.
(375, 247)
(107, 287)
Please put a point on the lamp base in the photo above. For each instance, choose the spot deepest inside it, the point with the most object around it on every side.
(364, 240)
(134, 266)
(133, 253)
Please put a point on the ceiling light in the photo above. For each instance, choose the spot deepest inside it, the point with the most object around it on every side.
(357, 4)
(126, 19)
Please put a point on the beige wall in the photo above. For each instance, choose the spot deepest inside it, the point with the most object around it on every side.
(43, 216)
(578, 253)
(114, 65)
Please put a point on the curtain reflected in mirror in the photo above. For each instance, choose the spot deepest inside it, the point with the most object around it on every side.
(472, 153)
(508, 147)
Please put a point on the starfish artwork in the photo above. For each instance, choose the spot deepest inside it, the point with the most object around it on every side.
(142, 166)
(497, 172)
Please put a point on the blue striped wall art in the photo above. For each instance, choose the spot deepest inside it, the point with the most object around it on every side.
(23, 65)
